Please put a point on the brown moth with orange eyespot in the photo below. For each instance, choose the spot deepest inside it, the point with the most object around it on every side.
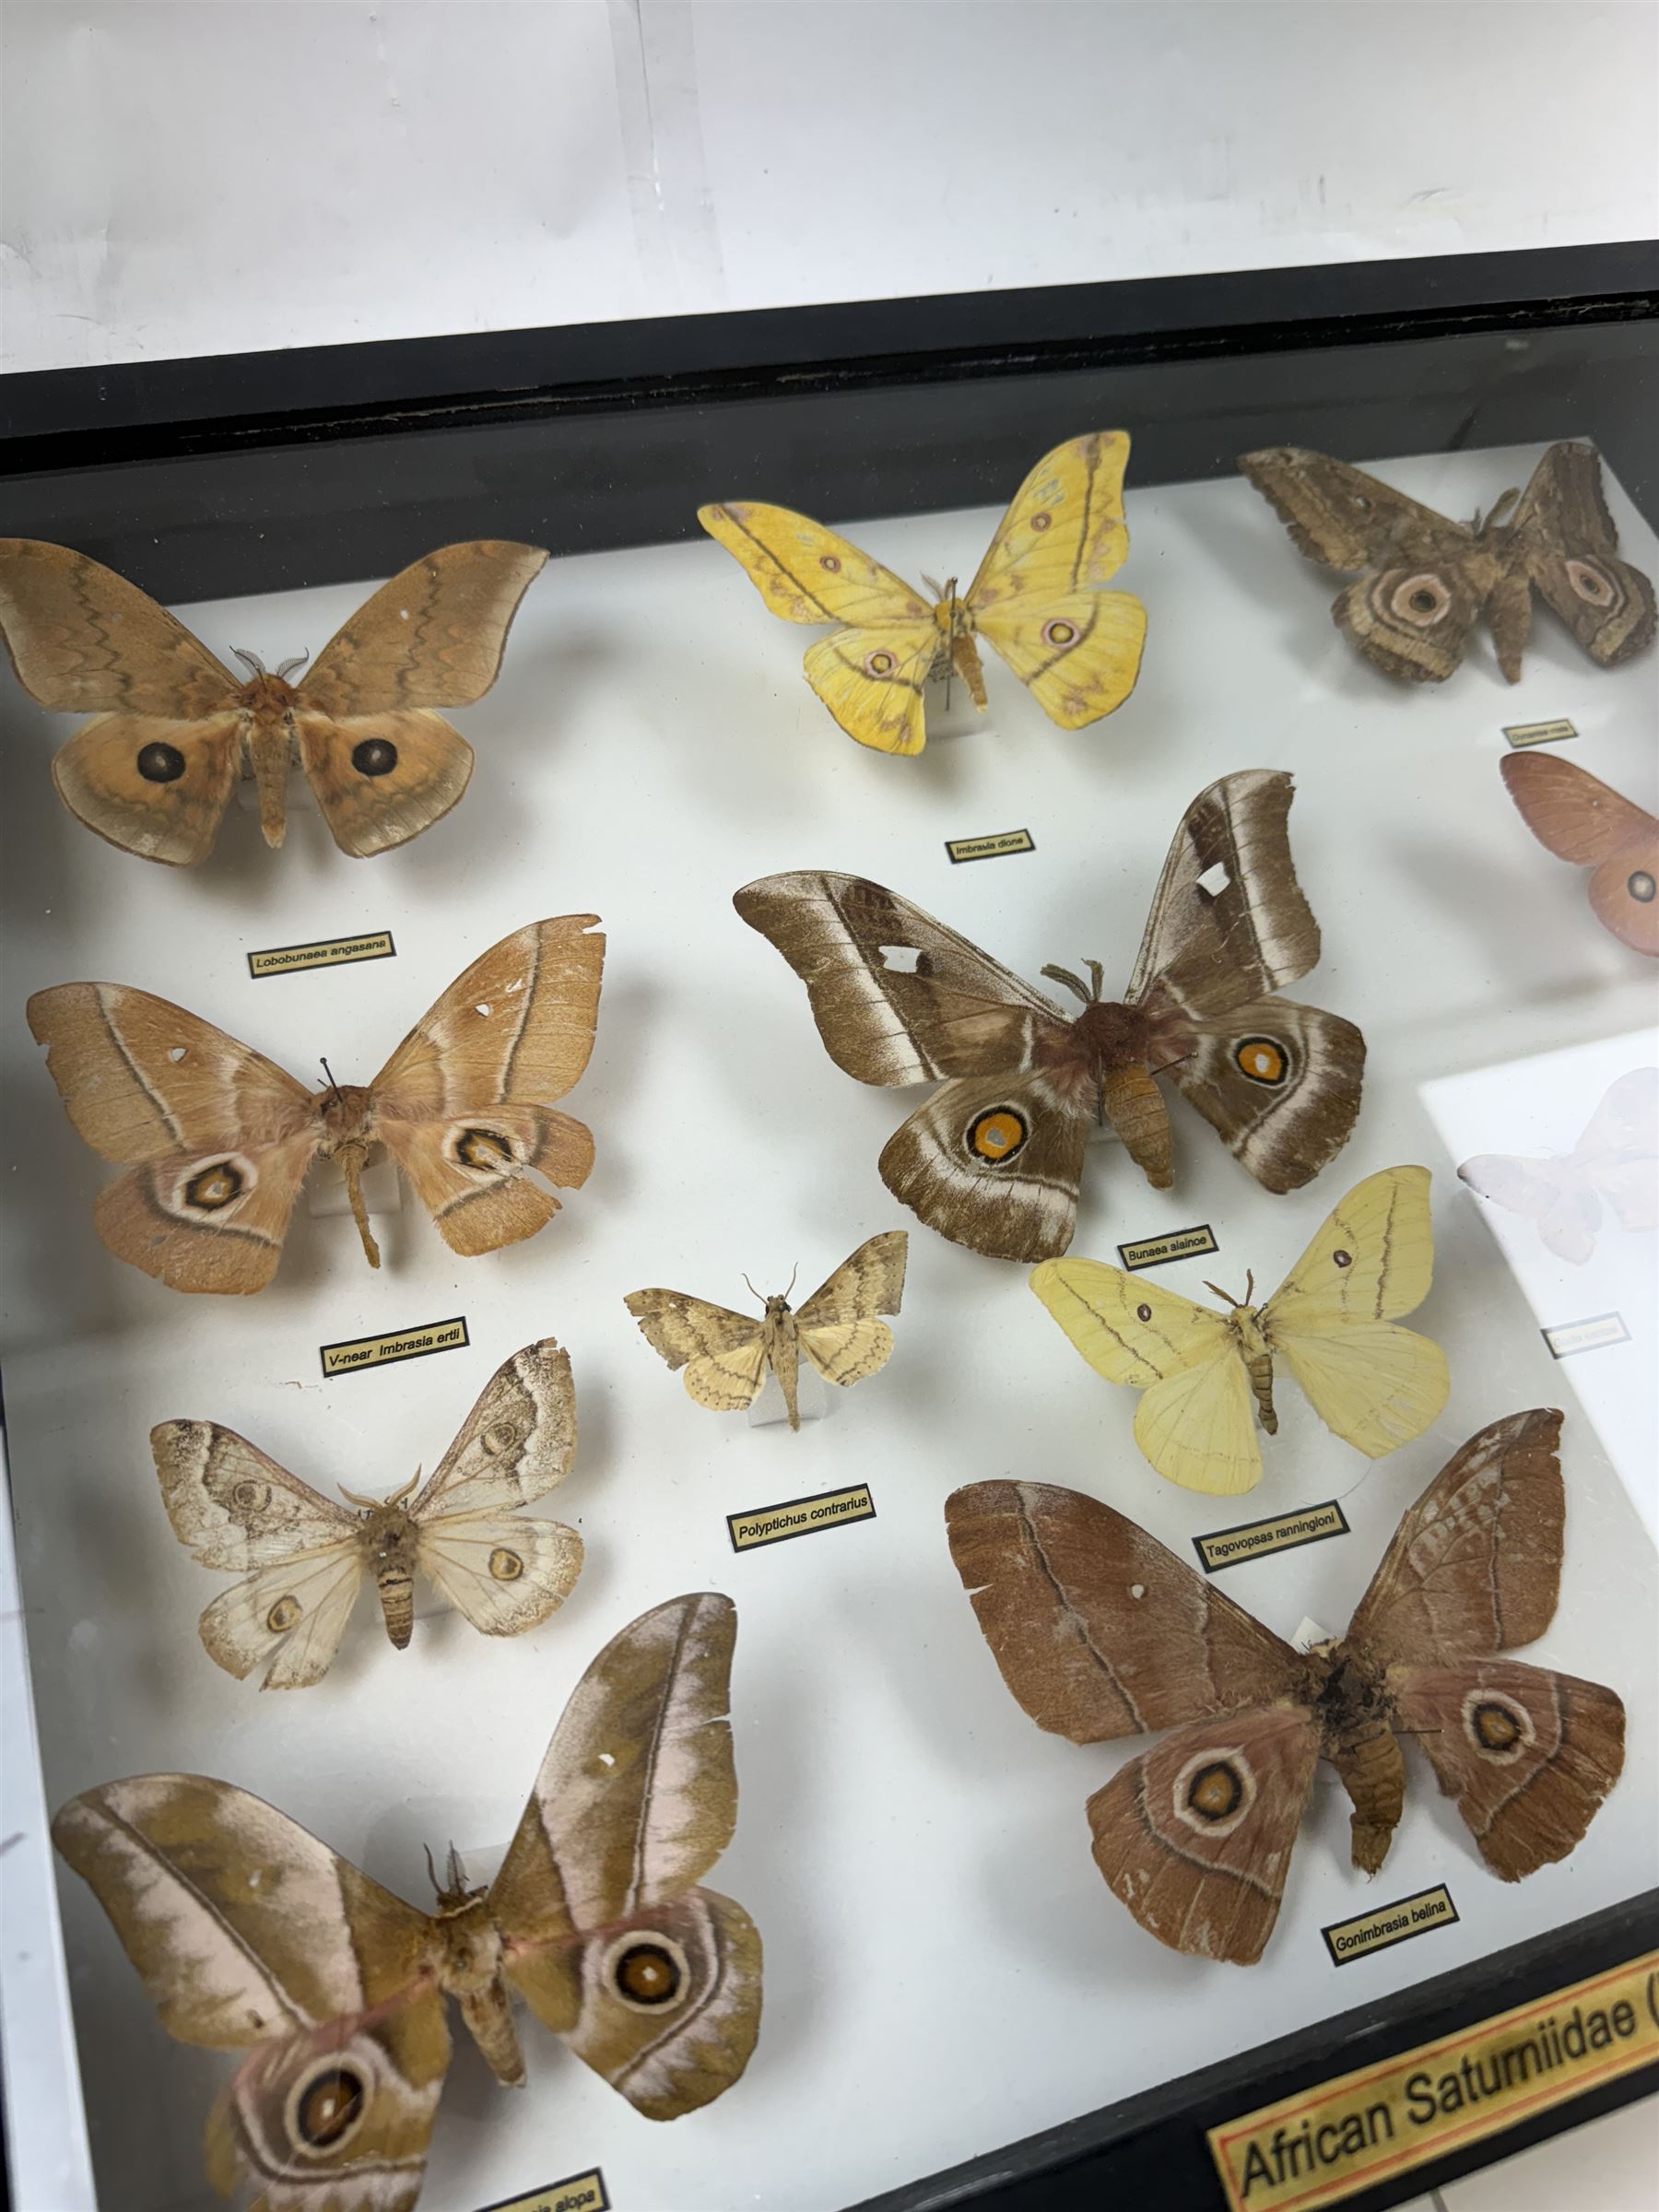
(506, 1573)
(1577, 817)
(1424, 581)
(994, 1157)
(175, 731)
(1099, 1632)
(726, 1355)
(253, 1936)
(218, 1140)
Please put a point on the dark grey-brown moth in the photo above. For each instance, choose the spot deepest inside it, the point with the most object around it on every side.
(994, 1157)
(1424, 581)
(1100, 1632)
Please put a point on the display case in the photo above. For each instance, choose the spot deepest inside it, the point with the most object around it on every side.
(956, 2009)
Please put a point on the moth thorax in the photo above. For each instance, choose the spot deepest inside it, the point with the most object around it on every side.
(467, 1942)
(343, 1110)
(1112, 1034)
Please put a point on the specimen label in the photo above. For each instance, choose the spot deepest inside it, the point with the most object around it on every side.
(1586, 1335)
(576, 2192)
(1255, 1539)
(400, 1344)
(1368, 2126)
(1380, 1931)
(800, 1517)
(990, 848)
(1179, 1244)
(1522, 733)
(327, 952)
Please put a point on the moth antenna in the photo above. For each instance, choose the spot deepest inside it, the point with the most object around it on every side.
(1227, 1296)
(355, 1498)
(397, 1497)
(1097, 973)
(792, 1273)
(1248, 1284)
(933, 585)
(286, 668)
(433, 1871)
(753, 1292)
(457, 1872)
(328, 1071)
(1072, 982)
(250, 660)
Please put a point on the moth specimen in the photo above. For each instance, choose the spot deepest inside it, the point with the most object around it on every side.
(237, 1510)
(994, 1157)
(1615, 1163)
(1037, 599)
(726, 1355)
(251, 1935)
(1100, 1632)
(1580, 818)
(1332, 1321)
(175, 731)
(1424, 581)
(218, 1140)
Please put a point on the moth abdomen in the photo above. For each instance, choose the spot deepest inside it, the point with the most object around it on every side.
(1373, 1774)
(396, 1590)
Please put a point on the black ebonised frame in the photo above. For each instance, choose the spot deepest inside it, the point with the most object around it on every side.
(219, 478)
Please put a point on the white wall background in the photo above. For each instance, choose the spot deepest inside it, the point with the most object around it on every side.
(182, 177)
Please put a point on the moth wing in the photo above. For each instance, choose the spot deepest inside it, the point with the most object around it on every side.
(1339, 515)
(1278, 1082)
(654, 1983)
(235, 1507)
(84, 640)
(516, 1445)
(1574, 814)
(1413, 621)
(243, 1927)
(1528, 1187)
(870, 1280)
(1620, 1145)
(846, 1351)
(1371, 1259)
(207, 1221)
(1210, 947)
(1198, 1428)
(1373, 1383)
(728, 1381)
(464, 1103)
(380, 780)
(1622, 894)
(1527, 1753)
(1195, 1835)
(806, 574)
(1475, 1565)
(874, 682)
(340, 2115)
(432, 637)
(1064, 530)
(1078, 654)
(941, 1008)
(141, 1079)
(1098, 1630)
(1564, 540)
(995, 1163)
(288, 1617)
(172, 814)
(506, 1573)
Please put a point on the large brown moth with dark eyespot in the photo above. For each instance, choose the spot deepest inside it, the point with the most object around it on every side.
(726, 1355)
(218, 1140)
(1424, 581)
(994, 1157)
(506, 1573)
(251, 1935)
(1100, 1632)
(175, 731)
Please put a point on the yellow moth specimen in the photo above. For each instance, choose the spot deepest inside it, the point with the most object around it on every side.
(173, 730)
(726, 1355)
(1332, 1320)
(253, 1936)
(216, 1140)
(236, 1509)
(1037, 599)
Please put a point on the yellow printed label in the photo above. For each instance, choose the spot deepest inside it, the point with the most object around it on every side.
(1349, 1939)
(327, 952)
(800, 1517)
(1586, 1335)
(1179, 1244)
(1539, 733)
(1255, 1539)
(402, 1343)
(577, 2192)
(990, 848)
(1362, 2128)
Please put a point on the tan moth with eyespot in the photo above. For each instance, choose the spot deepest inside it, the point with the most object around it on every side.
(726, 1355)
(1037, 599)
(253, 1936)
(237, 1510)
(218, 1140)
(1332, 1320)
(174, 732)
(1099, 1632)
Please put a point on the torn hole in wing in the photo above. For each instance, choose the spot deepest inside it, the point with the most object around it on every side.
(483, 1008)
(176, 1053)
(1215, 879)
(899, 959)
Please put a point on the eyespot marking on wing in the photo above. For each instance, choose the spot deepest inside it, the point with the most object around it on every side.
(1264, 1060)
(374, 757)
(159, 763)
(1214, 1792)
(997, 1135)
